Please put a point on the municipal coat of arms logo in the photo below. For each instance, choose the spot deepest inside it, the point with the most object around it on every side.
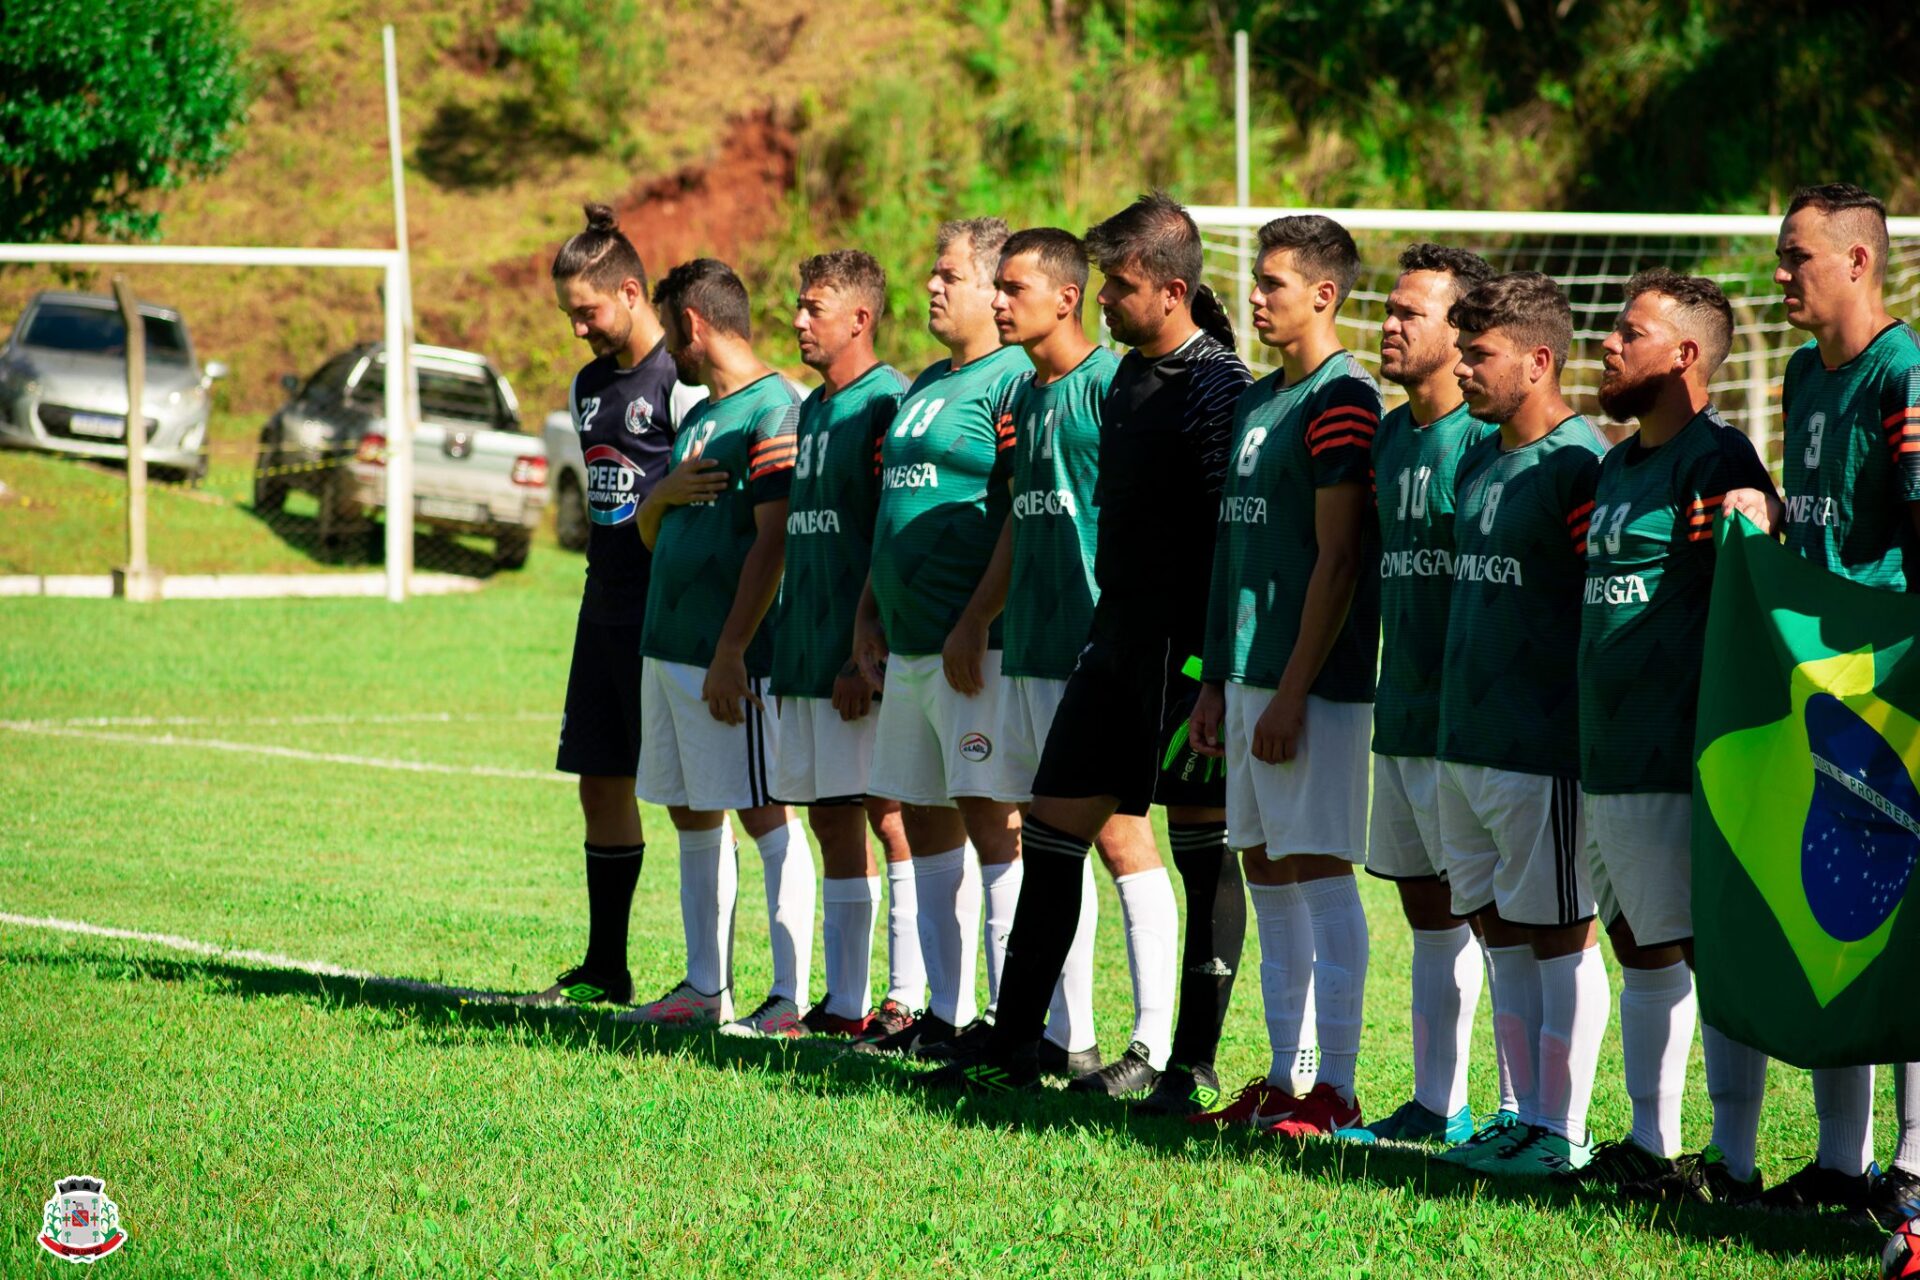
(81, 1224)
(638, 412)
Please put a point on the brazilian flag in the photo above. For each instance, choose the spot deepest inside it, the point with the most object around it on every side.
(1806, 813)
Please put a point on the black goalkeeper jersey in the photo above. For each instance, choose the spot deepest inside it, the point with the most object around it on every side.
(626, 422)
(1166, 430)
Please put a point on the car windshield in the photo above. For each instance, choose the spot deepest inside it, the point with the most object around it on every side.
(445, 396)
(66, 326)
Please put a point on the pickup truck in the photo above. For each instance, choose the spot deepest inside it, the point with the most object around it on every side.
(474, 470)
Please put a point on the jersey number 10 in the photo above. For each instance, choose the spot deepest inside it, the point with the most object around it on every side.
(1413, 492)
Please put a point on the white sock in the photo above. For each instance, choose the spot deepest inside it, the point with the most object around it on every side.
(1573, 1020)
(709, 887)
(1656, 1034)
(788, 864)
(1339, 975)
(1737, 1085)
(1906, 1097)
(906, 972)
(1153, 957)
(1070, 1015)
(846, 936)
(1448, 972)
(1002, 886)
(1843, 1104)
(948, 886)
(1516, 1023)
(1503, 1074)
(1286, 982)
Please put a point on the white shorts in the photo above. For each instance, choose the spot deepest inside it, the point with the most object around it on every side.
(687, 757)
(820, 757)
(1314, 803)
(1027, 707)
(1403, 840)
(934, 744)
(1514, 841)
(1640, 852)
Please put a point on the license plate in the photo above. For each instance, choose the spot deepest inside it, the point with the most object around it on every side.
(445, 509)
(100, 425)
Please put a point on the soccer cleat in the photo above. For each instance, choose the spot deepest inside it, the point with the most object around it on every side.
(1317, 1115)
(1541, 1154)
(1068, 1064)
(1895, 1197)
(777, 1018)
(1248, 1106)
(1181, 1091)
(890, 1018)
(1002, 1071)
(1495, 1136)
(581, 986)
(1412, 1122)
(1129, 1074)
(924, 1029)
(1623, 1166)
(969, 1040)
(683, 1006)
(1705, 1179)
(1815, 1188)
(819, 1022)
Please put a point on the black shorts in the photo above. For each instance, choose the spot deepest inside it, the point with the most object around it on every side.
(1121, 731)
(600, 730)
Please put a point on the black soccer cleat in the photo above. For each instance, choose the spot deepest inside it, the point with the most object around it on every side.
(970, 1039)
(1182, 1091)
(1815, 1188)
(1621, 1166)
(1705, 1179)
(1014, 1070)
(1067, 1064)
(1895, 1197)
(582, 986)
(924, 1030)
(1129, 1075)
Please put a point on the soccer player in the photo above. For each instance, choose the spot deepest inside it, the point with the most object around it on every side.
(1643, 622)
(706, 732)
(1050, 456)
(826, 707)
(1163, 446)
(623, 405)
(1510, 818)
(1851, 455)
(926, 619)
(1415, 455)
(1293, 623)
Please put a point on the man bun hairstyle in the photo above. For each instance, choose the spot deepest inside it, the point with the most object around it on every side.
(601, 254)
(1322, 249)
(1157, 235)
(1702, 310)
(1527, 304)
(1060, 254)
(709, 288)
(850, 271)
(1857, 210)
(1211, 315)
(984, 237)
(1465, 266)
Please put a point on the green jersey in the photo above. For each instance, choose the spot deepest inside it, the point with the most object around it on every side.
(1643, 620)
(836, 490)
(1414, 468)
(1050, 450)
(702, 546)
(1851, 460)
(939, 515)
(1289, 442)
(1510, 696)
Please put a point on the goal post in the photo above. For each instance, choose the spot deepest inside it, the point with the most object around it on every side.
(394, 301)
(1592, 255)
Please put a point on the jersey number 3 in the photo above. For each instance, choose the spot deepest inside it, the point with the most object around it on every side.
(1816, 429)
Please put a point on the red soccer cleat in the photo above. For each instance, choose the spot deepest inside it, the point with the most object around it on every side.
(1317, 1115)
(1258, 1099)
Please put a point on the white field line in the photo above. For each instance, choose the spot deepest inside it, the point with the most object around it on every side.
(415, 717)
(262, 959)
(286, 753)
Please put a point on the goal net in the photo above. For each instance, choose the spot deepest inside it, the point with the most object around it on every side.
(1592, 256)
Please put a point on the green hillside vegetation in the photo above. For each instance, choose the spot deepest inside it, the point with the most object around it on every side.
(761, 130)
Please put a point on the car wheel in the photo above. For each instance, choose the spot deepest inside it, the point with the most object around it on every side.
(510, 550)
(570, 524)
(340, 516)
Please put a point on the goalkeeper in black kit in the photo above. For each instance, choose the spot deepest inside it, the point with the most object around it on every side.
(1117, 743)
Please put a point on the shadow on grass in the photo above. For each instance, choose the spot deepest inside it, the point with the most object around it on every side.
(472, 148)
(364, 543)
(447, 1015)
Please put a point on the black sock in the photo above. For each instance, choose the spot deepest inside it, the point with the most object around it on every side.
(1044, 920)
(1216, 933)
(612, 871)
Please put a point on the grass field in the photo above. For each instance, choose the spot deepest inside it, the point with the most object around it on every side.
(251, 1119)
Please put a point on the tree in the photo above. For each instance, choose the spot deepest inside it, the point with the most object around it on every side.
(102, 101)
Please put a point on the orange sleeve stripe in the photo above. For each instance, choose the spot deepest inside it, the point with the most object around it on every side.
(1908, 446)
(1909, 414)
(1580, 513)
(778, 444)
(1346, 416)
(1700, 535)
(1318, 447)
